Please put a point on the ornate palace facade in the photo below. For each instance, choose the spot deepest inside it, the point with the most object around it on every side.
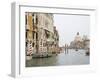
(41, 35)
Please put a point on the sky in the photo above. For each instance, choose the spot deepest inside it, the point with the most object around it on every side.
(69, 25)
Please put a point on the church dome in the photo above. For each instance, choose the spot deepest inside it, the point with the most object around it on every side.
(78, 38)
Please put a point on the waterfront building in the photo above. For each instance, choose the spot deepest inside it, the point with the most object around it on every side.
(45, 32)
(72, 45)
(56, 41)
(41, 35)
(78, 38)
(30, 33)
(86, 42)
(80, 42)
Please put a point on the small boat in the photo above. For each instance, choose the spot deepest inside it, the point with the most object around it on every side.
(87, 52)
(76, 49)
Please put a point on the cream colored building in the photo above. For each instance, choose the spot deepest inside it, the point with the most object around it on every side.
(80, 42)
(45, 31)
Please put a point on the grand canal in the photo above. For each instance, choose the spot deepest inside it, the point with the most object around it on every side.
(71, 58)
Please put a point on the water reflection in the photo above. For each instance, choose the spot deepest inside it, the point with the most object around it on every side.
(72, 58)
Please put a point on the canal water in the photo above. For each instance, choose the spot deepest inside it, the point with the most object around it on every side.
(71, 58)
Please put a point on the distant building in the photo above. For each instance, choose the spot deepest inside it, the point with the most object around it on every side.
(80, 42)
(86, 42)
(72, 45)
(78, 38)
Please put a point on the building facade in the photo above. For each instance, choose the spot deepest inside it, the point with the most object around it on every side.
(56, 48)
(41, 35)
